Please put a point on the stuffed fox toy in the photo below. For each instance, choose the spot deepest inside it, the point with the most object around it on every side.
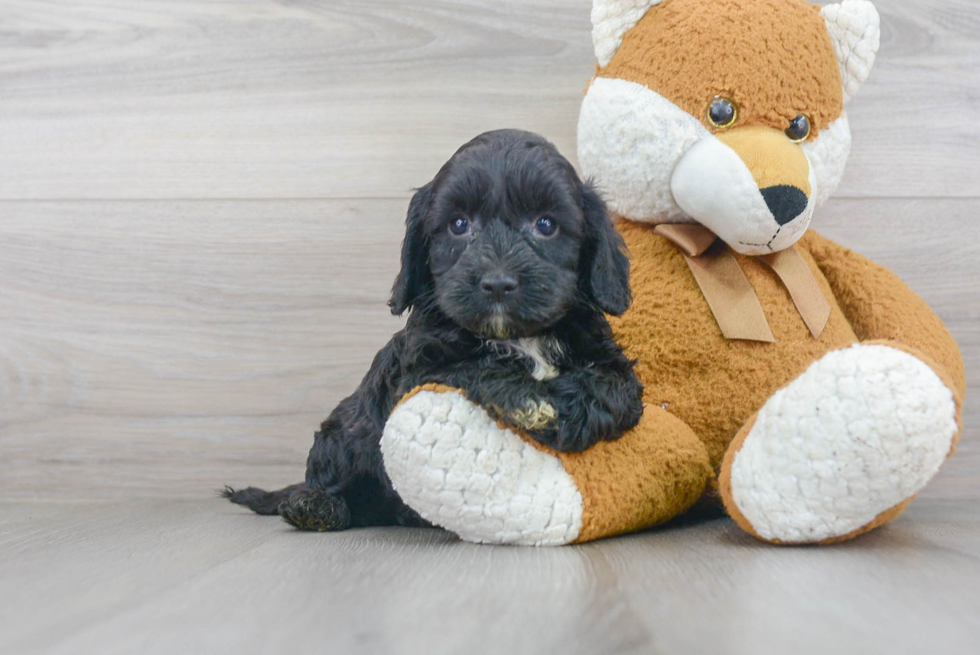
(802, 386)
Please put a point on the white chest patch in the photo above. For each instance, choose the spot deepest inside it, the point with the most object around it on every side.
(539, 350)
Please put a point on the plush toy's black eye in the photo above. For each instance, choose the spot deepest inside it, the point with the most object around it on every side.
(722, 113)
(459, 226)
(799, 129)
(546, 226)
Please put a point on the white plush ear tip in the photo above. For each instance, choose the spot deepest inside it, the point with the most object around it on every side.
(611, 20)
(855, 29)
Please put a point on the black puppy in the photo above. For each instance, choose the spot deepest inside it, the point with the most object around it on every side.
(508, 265)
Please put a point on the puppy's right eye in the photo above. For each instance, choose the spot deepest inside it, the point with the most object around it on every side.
(459, 226)
(546, 226)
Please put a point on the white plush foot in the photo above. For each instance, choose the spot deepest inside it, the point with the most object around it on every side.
(862, 430)
(454, 465)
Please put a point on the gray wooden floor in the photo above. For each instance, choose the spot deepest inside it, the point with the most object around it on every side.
(200, 209)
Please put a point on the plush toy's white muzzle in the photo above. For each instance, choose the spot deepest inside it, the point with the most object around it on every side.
(713, 185)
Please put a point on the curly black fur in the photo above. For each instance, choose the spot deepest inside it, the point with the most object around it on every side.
(461, 331)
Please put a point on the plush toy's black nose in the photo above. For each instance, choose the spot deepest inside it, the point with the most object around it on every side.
(498, 285)
(785, 202)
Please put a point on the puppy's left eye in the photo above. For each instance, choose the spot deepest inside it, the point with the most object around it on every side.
(546, 226)
(459, 226)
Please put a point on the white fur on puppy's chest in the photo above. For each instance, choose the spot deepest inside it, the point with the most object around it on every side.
(538, 349)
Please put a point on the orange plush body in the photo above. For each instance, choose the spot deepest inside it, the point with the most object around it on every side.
(805, 387)
(717, 385)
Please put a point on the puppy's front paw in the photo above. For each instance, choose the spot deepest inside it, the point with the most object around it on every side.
(534, 416)
(575, 430)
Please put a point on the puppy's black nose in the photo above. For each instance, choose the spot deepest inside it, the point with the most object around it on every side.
(785, 202)
(498, 285)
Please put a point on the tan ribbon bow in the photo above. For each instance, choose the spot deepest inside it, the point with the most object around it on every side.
(729, 293)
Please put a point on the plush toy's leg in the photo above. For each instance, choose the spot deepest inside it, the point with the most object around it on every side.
(843, 448)
(452, 463)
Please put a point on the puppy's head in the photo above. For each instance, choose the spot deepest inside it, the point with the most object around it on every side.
(506, 240)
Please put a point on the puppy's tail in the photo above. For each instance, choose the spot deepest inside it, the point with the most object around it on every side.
(258, 500)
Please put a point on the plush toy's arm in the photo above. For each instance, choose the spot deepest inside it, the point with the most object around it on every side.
(879, 305)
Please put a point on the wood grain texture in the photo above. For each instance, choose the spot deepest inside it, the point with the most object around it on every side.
(165, 99)
(148, 347)
(203, 577)
(166, 348)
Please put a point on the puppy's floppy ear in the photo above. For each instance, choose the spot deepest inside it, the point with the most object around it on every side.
(607, 267)
(414, 274)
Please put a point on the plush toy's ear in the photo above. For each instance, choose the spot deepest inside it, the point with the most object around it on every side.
(855, 29)
(611, 20)
(414, 274)
(607, 266)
